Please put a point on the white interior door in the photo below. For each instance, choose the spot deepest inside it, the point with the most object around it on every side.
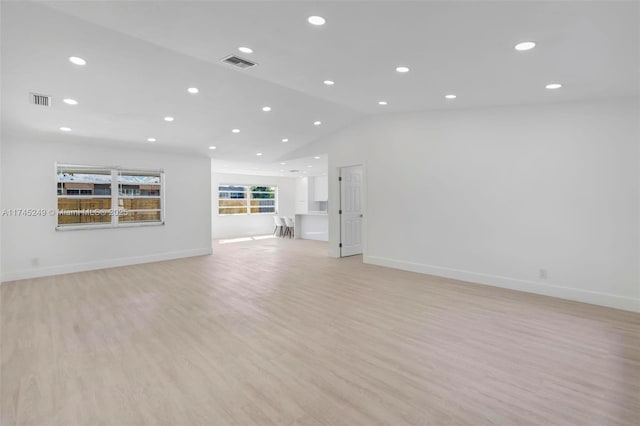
(351, 210)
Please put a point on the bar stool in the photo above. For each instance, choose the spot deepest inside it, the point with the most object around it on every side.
(279, 224)
(290, 226)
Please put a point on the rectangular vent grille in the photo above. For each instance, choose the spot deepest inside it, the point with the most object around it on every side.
(238, 62)
(41, 100)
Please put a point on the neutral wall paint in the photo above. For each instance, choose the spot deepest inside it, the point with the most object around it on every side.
(250, 225)
(32, 247)
(494, 195)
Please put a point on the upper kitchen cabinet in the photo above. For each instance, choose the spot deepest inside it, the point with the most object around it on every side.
(302, 195)
(320, 188)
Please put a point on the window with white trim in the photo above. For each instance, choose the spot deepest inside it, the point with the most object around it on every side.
(90, 197)
(247, 199)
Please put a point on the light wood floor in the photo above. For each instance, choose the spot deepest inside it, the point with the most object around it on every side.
(274, 332)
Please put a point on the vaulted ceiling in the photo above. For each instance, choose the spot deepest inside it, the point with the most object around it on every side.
(143, 55)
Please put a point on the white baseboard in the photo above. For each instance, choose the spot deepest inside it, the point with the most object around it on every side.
(569, 293)
(101, 264)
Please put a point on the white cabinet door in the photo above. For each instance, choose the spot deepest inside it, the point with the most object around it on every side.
(321, 187)
(311, 191)
(302, 195)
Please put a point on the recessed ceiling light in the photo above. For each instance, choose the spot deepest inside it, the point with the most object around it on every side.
(402, 69)
(245, 49)
(450, 96)
(282, 164)
(317, 157)
(281, 170)
(525, 45)
(151, 139)
(258, 154)
(309, 165)
(285, 140)
(235, 131)
(317, 123)
(77, 61)
(382, 102)
(212, 147)
(168, 119)
(193, 90)
(65, 129)
(70, 101)
(266, 108)
(329, 82)
(316, 20)
(553, 86)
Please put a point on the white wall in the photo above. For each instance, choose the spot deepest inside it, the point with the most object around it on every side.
(250, 225)
(32, 247)
(494, 195)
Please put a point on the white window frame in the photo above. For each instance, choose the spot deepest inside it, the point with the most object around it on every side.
(115, 195)
(248, 192)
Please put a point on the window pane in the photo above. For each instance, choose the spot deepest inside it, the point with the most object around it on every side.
(263, 209)
(140, 217)
(263, 199)
(232, 199)
(232, 192)
(233, 195)
(139, 196)
(70, 182)
(93, 210)
(233, 203)
(139, 203)
(263, 202)
(84, 195)
(137, 184)
(232, 210)
(263, 192)
(133, 177)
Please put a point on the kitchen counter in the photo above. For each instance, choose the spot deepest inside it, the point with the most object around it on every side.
(312, 226)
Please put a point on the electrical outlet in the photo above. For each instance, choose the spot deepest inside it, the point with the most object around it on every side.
(542, 274)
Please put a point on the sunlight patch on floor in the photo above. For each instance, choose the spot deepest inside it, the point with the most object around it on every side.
(244, 239)
(263, 237)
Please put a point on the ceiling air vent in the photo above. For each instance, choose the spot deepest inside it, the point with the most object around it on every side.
(294, 171)
(238, 62)
(42, 100)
